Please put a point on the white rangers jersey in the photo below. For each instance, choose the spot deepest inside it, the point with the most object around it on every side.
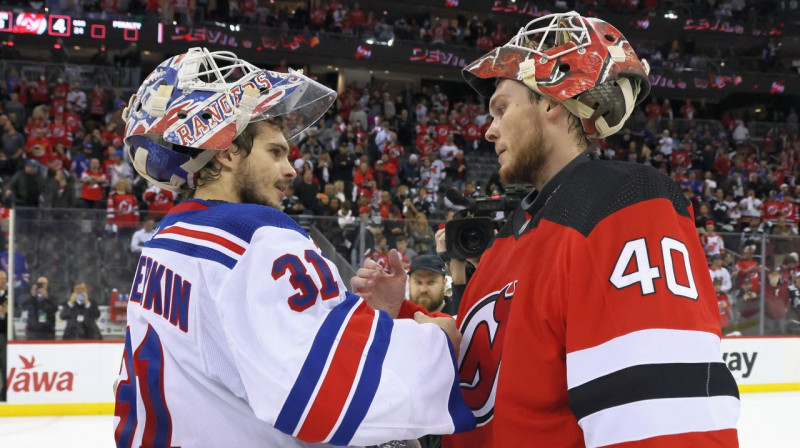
(240, 333)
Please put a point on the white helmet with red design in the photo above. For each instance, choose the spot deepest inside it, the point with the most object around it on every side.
(197, 103)
(584, 63)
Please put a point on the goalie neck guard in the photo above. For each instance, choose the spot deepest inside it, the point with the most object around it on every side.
(584, 63)
(203, 100)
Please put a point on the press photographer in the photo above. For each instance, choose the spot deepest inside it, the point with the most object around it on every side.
(41, 312)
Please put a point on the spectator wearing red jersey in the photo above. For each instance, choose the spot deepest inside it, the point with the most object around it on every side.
(158, 201)
(94, 182)
(61, 159)
(385, 174)
(688, 111)
(59, 132)
(317, 16)
(653, 109)
(438, 33)
(771, 209)
(713, 244)
(724, 304)
(393, 150)
(441, 131)
(97, 103)
(41, 92)
(789, 210)
(357, 18)
(38, 149)
(499, 36)
(747, 269)
(484, 41)
(248, 8)
(122, 211)
(111, 136)
(472, 135)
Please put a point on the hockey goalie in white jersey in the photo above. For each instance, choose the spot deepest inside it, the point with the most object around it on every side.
(240, 331)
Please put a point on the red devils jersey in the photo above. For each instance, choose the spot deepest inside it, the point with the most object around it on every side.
(97, 102)
(60, 134)
(473, 132)
(441, 133)
(123, 210)
(159, 201)
(771, 210)
(596, 325)
(790, 212)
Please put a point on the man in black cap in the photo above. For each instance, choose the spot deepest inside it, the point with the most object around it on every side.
(427, 282)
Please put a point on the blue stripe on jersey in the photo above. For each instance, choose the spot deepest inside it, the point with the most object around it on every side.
(126, 399)
(463, 419)
(240, 220)
(368, 383)
(312, 369)
(192, 250)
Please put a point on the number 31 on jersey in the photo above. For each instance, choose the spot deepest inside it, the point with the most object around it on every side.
(636, 252)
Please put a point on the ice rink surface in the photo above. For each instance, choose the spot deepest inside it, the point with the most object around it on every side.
(767, 420)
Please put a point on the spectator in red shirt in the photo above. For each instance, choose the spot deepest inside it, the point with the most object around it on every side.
(122, 211)
(38, 148)
(317, 16)
(59, 132)
(94, 182)
(653, 110)
(688, 111)
(97, 103)
(111, 136)
(41, 92)
(438, 33)
(357, 18)
(158, 201)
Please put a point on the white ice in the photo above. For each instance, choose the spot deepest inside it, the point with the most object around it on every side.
(767, 420)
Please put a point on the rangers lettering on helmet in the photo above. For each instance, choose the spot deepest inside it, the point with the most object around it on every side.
(204, 100)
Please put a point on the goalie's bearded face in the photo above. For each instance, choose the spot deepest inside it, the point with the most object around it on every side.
(516, 132)
(263, 176)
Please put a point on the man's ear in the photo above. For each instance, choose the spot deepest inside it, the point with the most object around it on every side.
(225, 158)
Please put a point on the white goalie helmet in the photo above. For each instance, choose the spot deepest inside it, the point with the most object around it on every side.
(197, 103)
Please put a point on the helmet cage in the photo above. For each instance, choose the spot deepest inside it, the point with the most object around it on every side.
(202, 100)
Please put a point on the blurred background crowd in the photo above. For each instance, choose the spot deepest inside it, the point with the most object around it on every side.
(372, 175)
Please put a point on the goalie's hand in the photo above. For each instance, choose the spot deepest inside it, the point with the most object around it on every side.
(381, 290)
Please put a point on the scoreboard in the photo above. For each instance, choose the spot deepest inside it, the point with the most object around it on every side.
(31, 23)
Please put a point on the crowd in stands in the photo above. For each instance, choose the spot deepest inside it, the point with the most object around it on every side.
(388, 156)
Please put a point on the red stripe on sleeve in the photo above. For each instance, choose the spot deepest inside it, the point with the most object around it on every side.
(340, 378)
(230, 245)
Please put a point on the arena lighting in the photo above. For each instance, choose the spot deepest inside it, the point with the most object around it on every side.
(390, 42)
(670, 15)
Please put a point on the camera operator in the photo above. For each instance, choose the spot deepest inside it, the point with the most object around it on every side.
(597, 288)
(81, 315)
(41, 312)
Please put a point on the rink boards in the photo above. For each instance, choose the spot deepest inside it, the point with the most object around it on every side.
(77, 378)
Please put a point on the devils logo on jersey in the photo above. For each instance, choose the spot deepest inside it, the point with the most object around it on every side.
(484, 328)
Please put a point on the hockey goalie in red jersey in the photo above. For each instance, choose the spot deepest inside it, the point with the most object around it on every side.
(591, 320)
